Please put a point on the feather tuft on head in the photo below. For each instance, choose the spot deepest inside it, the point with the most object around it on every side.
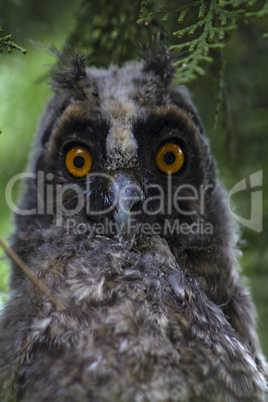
(159, 62)
(70, 70)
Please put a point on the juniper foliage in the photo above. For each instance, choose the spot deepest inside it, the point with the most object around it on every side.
(203, 28)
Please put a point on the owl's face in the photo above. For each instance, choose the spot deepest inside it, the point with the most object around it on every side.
(121, 153)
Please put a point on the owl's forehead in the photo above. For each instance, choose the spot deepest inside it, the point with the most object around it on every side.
(117, 89)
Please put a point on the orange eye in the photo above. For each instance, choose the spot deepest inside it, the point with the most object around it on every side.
(169, 158)
(78, 161)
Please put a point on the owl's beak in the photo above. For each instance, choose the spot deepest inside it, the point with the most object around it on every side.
(124, 193)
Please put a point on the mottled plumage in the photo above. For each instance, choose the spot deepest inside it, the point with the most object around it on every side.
(154, 311)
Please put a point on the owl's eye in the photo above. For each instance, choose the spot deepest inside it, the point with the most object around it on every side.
(169, 158)
(78, 161)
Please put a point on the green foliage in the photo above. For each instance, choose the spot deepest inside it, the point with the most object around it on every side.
(6, 42)
(107, 31)
(205, 25)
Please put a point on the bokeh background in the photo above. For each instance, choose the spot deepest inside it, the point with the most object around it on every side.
(239, 141)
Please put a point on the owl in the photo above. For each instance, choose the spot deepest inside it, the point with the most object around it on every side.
(124, 221)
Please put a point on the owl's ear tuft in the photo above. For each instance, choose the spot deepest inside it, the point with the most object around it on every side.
(70, 71)
(160, 63)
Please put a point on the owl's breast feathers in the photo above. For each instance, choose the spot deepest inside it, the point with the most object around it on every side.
(135, 328)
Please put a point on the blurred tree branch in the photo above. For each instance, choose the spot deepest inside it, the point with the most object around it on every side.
(6, 42)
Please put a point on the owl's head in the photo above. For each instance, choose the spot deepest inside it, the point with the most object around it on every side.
(121, 153)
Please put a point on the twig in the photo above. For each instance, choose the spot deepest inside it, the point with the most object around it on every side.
(32, 276)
